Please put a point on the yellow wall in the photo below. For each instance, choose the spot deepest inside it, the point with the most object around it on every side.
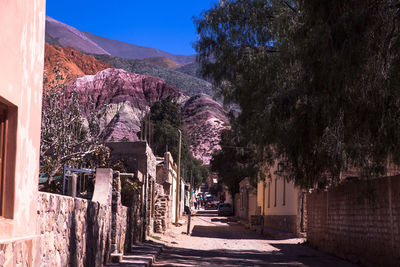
(22, 24)
(291, 198)
(290, 206)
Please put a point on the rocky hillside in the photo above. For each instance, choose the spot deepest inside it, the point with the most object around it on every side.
(203, 120)
(94, 44)
(71, 62)
(120, 99)
(162, 62)
(188, 84)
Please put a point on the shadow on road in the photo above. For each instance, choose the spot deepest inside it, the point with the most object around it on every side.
(287, 255)
(224, 232)
(222, 220)
(206, 212)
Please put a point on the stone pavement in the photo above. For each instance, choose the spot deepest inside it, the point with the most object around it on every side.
(142, 255)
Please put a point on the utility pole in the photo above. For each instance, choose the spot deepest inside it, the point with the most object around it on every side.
(191, 180)
(178, 180)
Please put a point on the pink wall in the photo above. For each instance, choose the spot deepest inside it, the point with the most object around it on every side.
(22, 24)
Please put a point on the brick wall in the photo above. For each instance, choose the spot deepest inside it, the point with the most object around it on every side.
(358, 221)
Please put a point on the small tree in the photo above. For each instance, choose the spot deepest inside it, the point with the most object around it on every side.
(64, 138)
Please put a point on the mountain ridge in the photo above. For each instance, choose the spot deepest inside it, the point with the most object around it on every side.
(87, 42)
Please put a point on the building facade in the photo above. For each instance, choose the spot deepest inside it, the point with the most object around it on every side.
(280, 203)
(246, 200)
(21, 81)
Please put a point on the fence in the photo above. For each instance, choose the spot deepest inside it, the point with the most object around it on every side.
(78, 181)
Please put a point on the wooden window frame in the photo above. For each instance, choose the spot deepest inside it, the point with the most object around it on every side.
(269, 194)
(276, 191)
(8, 136)
(284, 193)
(3, 150)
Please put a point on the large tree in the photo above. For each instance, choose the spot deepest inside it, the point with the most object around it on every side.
(236, 160)
(317, 81)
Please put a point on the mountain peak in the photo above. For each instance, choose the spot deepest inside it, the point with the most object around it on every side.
(87, 42)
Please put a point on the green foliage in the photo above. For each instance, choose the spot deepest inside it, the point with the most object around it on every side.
(317, 81)
(166, 118)
(129, 191)
(124, 139)
(235, 160)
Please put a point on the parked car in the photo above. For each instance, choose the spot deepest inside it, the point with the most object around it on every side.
(211, 205)
(225, 209)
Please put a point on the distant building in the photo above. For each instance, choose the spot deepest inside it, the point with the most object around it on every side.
(22, 26)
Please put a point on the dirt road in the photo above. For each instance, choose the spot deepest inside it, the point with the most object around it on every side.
(222, 241)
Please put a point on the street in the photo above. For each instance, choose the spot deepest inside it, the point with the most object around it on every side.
(222, 241)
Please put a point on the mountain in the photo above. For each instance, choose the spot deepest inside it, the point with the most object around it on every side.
(203, 121)
(162, 62)
(87, 42)
(71, 62)
(192, 69)
(186, 83)
(66, 36)
(121, 99)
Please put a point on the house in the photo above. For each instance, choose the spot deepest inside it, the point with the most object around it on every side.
(140, 161)
(21, 78)
(246, 201)
(280, 203)
(166, 201)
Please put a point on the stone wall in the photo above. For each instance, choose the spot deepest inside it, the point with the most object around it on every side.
(23, 253)
(74, 232)
(286, 223)
(119, 218)
(358, 220)
(162, 214)
(79, 232)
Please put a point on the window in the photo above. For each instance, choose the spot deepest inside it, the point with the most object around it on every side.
(276, 189)
(269, 194)
(8, 137)
(3, 130)
(284, 192)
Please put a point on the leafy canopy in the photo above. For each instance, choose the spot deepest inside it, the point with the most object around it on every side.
(317, 81)
(235, 160)
(166, 119)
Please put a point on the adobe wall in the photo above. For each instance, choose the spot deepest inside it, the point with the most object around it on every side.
(21, 77)
(22, 26)
(358, 221)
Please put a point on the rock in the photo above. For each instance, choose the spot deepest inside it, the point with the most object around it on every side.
(203, 121)
(121, 99)
(71, 62)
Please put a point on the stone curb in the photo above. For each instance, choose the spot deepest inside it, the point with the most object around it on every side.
(142, 255)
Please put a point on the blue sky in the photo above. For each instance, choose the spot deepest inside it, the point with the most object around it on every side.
(163, 24)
